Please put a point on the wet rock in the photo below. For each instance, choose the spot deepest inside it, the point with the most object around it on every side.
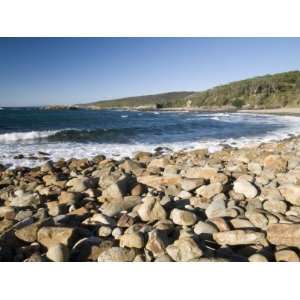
(183, 217)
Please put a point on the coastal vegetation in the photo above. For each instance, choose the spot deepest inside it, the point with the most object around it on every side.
(268, 91)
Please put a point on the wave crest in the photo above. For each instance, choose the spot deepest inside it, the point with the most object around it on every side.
(25, 136)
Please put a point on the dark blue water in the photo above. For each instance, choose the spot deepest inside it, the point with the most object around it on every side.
(79, 132)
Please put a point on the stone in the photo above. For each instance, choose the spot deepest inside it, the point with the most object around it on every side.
(184, 195)
(184, 249)
(183, 217)
(191, 184)
(58, 253)
(5, 224)
(209, 191)
(51, 236)
(118, 189)
(151, 210)
(256, 257)
(132, 240)
(257, 219)
(114, 207)
(204, 228)
(199, 172)
(158, 163)
(284, 234)
(291, 193)
(275, 206)
(69, 198)
(117, 254)
(241, 223)
(157, 243)
(275, 163)
(215, 207)
(159, 182)
(255, 168)
(28, 233)
(137, 190)
(286, 255)
(246, 188)
(24, 199)
(130, 166)
(80, 184)
(238, 237)
(104, 231)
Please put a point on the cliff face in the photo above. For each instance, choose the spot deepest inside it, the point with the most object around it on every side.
(269, 91)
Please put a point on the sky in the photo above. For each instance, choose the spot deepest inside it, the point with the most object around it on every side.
(42, 71)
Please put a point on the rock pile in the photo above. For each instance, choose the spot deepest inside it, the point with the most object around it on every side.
(231, 205)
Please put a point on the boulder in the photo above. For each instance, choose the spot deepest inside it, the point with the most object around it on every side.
(58, 253)
(209, 191)
(284, 234)
(159, 182)
(199, 172)
(184, 249)
(132, 240)
(151, 210)
(117, 254)
(238, 237)
(51, 236)
(246, 188)
(291, 193)
(275, 163)
(183, 217)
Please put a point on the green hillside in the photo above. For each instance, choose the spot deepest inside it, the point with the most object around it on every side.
(269, 91)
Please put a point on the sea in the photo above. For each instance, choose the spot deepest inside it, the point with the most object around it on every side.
(65, 134)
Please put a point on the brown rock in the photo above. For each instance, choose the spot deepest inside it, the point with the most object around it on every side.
(284, 234)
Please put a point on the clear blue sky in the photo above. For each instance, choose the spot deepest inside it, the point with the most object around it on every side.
(38, 71)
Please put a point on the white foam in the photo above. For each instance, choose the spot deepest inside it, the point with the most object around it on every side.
(22, 136)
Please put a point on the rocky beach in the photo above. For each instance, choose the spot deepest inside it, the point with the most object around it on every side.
(230, 205)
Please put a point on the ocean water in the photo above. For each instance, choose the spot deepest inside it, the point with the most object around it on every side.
(86, 133)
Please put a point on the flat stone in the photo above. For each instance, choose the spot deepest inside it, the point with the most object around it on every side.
(191, 184)
(158, 182)
(244, 187)
(276, 163)
(199, 172)
(117, 254)
(275, 206)
(204, 228)
(284, 234)
(291, 193)
(238, 237)
(209, 191)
